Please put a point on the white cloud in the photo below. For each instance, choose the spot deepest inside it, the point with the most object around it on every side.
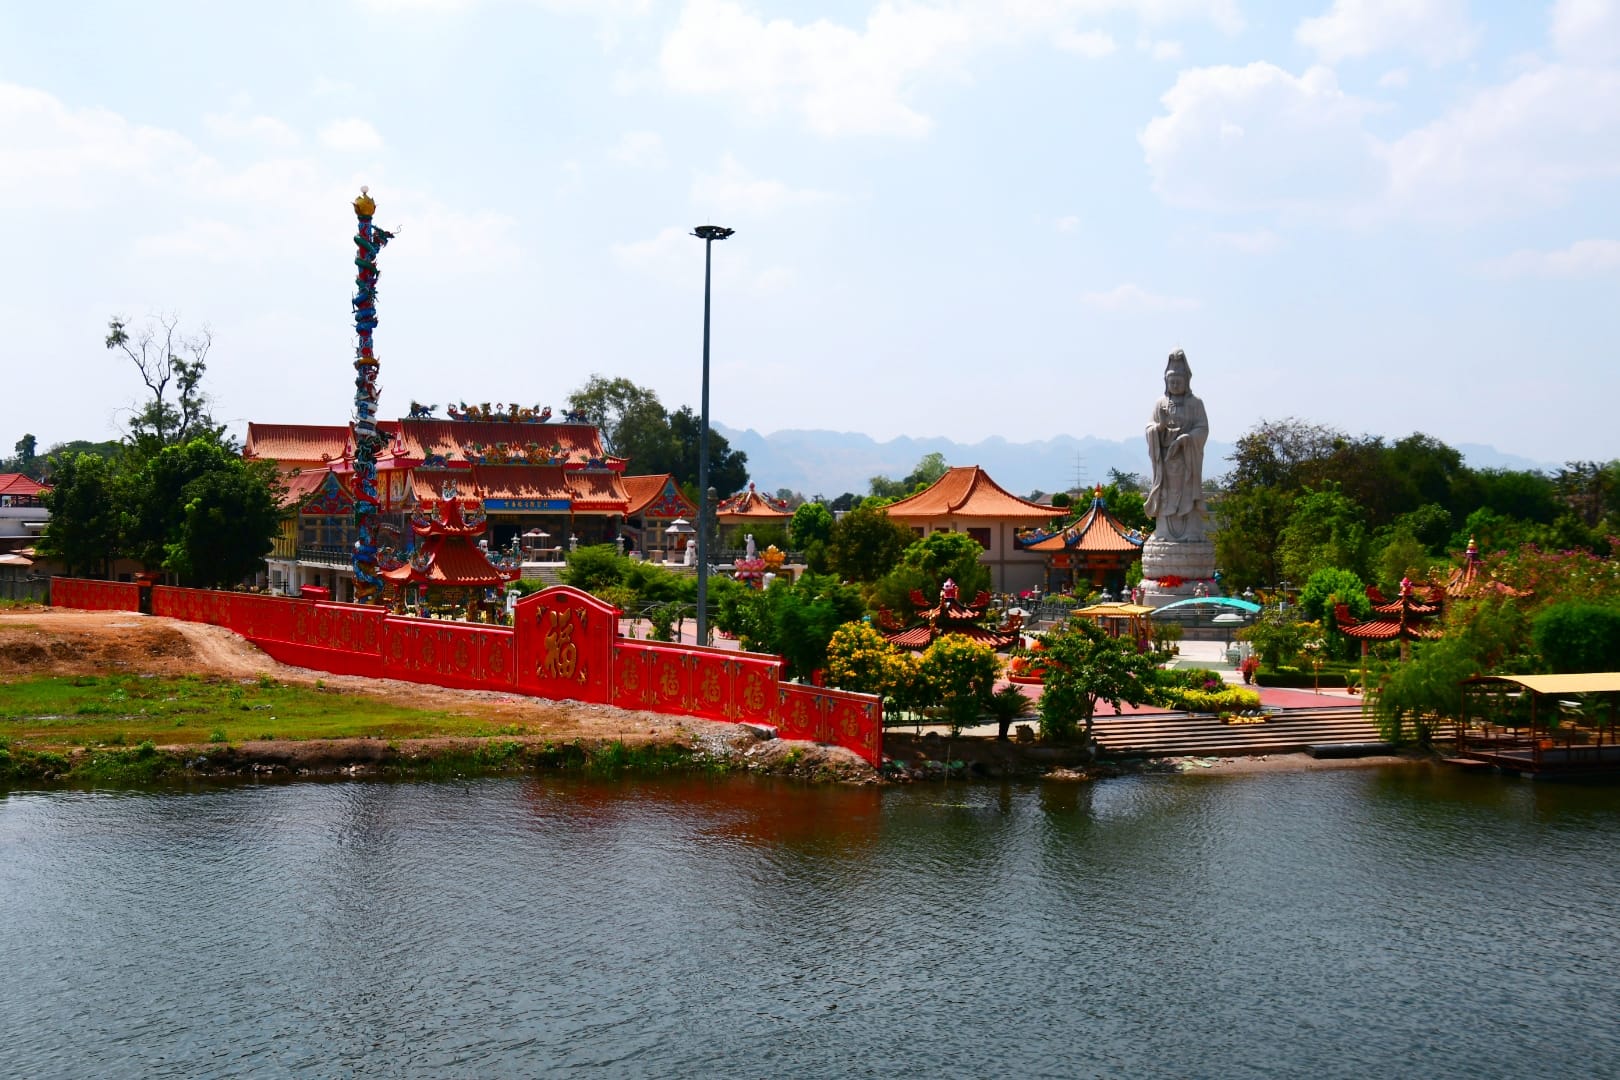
(261, 129)
(675, 257)
(1132, 299)
(1254, 242)
(1584, 258)
(1394, 79)
(734, 190)
(1437, 30)
(1587, 30)
(351, 135)
(1092, 44)
(640, 149)
(1526, 144)
(1257, 137)
(59, 156)
(842, 80)
(1066, 224)
(1166, 51)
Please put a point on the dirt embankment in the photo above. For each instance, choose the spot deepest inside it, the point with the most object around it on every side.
(50, 641)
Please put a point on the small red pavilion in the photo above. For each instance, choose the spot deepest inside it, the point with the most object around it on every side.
(949, 616)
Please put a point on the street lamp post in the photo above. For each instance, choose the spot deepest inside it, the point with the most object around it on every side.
(708, 234)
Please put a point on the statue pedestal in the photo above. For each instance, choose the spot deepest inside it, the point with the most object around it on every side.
(1193, 561)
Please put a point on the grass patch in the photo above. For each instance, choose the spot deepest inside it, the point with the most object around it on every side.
(50, 713)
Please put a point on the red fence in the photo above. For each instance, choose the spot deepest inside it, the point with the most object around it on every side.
(95, 595)
(563, 644)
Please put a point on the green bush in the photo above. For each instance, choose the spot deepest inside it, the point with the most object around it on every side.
(1575, 637)
(1227, 699)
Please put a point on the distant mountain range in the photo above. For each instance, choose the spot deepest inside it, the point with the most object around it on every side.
(829, 463)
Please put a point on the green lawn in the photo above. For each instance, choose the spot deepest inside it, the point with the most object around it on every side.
(125, 710)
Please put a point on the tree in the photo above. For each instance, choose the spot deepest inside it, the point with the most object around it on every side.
(168, 362)
(728, 468)
(26, 460)
(811, 523)
(861, 660)
(630, 418)
(926, 564)
(86, 526)
(929, 469)
(1575, 637)
(865, 544)
(1325, 529)
(1084, 665)
(794, 620)
(201, 512)
(1327, 587)
(958, 674)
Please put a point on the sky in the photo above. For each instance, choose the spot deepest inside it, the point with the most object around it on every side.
(963, 219)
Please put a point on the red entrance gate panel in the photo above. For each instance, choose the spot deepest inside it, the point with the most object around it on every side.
(565, 644)
(853, 721)
(461, 655)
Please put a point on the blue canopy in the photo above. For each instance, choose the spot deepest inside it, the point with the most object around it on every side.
(1221, 601)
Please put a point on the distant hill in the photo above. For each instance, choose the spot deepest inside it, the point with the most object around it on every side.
(829, 463)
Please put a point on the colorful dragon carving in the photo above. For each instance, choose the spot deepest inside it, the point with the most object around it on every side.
(368, 440)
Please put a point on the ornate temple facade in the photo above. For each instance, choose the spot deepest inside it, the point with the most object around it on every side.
(526, 477)
(1093, 551)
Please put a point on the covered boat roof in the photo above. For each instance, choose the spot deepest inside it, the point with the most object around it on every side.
(1591, 682)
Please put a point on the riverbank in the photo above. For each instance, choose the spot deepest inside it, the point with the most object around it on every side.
(136, 699)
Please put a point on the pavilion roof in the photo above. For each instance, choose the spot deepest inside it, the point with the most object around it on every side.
(295, 445)
(920, 637)
(302, 483)
(656, 496)
(450, 562)
(1469, 579)
(596, 489)
(14, 484)
(750, 505)
(968, 491)
(1096, 531)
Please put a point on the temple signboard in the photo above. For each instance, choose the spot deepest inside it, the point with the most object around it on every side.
(496, 506)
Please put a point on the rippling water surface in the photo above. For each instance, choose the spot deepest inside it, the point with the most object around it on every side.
(1353, 923)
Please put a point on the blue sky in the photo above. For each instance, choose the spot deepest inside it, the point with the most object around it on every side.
(963, 219)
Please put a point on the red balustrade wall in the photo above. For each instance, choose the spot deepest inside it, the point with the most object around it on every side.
(463, 655)
(95, 595)
(854, 721)
(563, 644)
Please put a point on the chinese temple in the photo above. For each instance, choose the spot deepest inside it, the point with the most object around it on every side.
(1092, 552)
(949, 616)
(526, 476)
(967, 500)
(653, 504)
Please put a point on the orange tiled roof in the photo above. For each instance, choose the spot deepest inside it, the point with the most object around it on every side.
(593, 489)
(294, 445)
(750, 505)
(12, 483)
(416, 439)
(514, 482)
(1098, 532)
(968, 491)
(300, 485)
(644, 492)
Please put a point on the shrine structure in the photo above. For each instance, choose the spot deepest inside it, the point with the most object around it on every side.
(446, 563)
(1405, 619)
(748, 510)
(1095, 550)
(967, 500)
(654, 503)
(949, 616)
(1470, 581)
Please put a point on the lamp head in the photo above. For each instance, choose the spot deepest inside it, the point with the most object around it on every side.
(712, 232)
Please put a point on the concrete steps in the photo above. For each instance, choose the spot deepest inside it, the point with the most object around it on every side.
(1178, 734)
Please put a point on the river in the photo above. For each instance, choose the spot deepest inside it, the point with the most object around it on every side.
(1357, 923)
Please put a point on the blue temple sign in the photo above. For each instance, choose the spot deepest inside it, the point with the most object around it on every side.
(493, 506)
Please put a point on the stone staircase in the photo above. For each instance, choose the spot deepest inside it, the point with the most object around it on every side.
(1180, 734)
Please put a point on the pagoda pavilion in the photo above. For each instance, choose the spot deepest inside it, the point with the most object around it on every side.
(949, 616)
(1096, 548)
(447, 563)
(1469, 581)
(967, 500)
(748, 510)
(1405, 619)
